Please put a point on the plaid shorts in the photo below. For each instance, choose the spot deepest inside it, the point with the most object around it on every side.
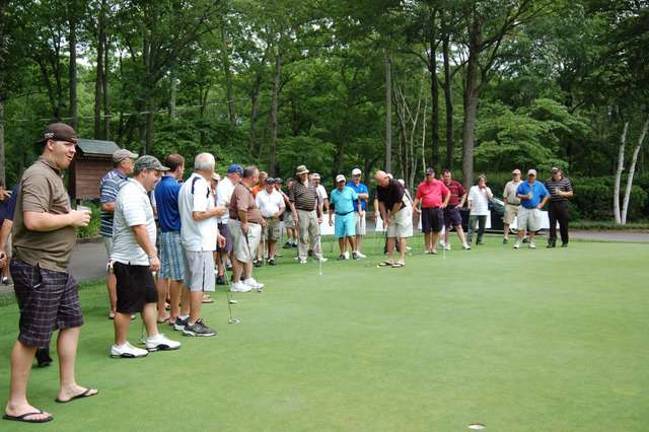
(172, 264)
(48, 300)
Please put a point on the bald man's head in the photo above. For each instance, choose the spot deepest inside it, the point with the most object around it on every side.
(382, 178)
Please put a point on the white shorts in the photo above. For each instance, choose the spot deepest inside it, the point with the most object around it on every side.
(360, 224)
(244, 250)
(529, 219)
(401, 224)
(199, 270)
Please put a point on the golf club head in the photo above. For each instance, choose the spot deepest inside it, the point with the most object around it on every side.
(233, 301)
(234, 321)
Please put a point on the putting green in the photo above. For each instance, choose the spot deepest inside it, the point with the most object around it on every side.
(545, 340)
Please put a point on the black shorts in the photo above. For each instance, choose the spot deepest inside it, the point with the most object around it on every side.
(135, 287)
(452, 217)
(432, 219)
(48, 300)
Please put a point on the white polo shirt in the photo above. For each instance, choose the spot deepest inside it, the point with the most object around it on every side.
(223, 195)
(132, 207)
(479, 200)
(195, 196)
(269, 204)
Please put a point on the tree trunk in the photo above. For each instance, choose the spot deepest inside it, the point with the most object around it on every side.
(471, 96)
(99, 76)
(434, 91)
(3, 172)
(105, 84)
(618, 175)
(629, 179)
(72, 70)
(388, 111)
(225, 62)
(277, 75)
(448, 102)
(172, 95)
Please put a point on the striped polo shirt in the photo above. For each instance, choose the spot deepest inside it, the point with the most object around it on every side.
(132, 208)
(109, 186)
(303, 197)
(562, 184)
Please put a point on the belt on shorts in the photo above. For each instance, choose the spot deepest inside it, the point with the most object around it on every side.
(344, 214)
(512, 204)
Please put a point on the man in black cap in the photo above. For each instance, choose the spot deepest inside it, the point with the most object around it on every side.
(43, 238)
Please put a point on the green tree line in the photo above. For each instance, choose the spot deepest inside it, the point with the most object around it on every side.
(475, 86)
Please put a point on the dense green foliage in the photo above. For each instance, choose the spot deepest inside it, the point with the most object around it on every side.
(284, 82)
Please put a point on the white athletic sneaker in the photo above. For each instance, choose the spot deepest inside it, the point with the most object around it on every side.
(253, 284)
(466, 246)
(321, 258)
(517, 245)
(531, 245)
(127, 351)
(441, 243)
(160, 342)
(240, 287)
(360, 255)
(301, 260)
(447, 247)
(346, 255)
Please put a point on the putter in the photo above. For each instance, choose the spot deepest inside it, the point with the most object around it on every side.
(231, 301)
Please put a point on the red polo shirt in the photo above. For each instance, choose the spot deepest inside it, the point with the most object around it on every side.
(432, 194)
(457, 191)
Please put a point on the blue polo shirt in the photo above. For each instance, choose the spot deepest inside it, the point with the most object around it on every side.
(539, 192)
(361, 188)
(8, 206)
(166, 198)
(344, 201)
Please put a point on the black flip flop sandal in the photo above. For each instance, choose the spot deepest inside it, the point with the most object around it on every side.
(23, 418)
(385, 264)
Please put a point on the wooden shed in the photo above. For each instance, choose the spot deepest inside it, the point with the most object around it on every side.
(92, 161)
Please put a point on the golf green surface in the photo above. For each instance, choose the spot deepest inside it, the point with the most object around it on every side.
(528, 340)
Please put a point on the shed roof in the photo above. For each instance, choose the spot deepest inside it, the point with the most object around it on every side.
(97, 147)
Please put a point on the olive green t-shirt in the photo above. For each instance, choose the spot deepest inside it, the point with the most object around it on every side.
(42, 191)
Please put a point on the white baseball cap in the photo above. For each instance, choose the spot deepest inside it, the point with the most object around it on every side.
(356, 172)
(340, 178)
(532, 172)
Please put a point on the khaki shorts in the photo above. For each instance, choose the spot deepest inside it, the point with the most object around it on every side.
(401, 224)
(360, 224)
(289, 223)
(511, 211)
(271, 230)
(199, 270)
(529, 219)
(245, 251)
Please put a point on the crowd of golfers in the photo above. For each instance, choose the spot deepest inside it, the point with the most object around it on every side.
(171, 239)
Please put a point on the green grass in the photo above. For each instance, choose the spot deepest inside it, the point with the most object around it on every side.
(545, 340)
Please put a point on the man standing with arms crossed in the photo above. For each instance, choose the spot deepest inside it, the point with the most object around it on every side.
(452, 216)
(560, 190)
(433, 196)
(43, 238)
(271, 204)
(533, 196)
(512, 202)
(359, 212)
(199, 236)
(109, 187)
